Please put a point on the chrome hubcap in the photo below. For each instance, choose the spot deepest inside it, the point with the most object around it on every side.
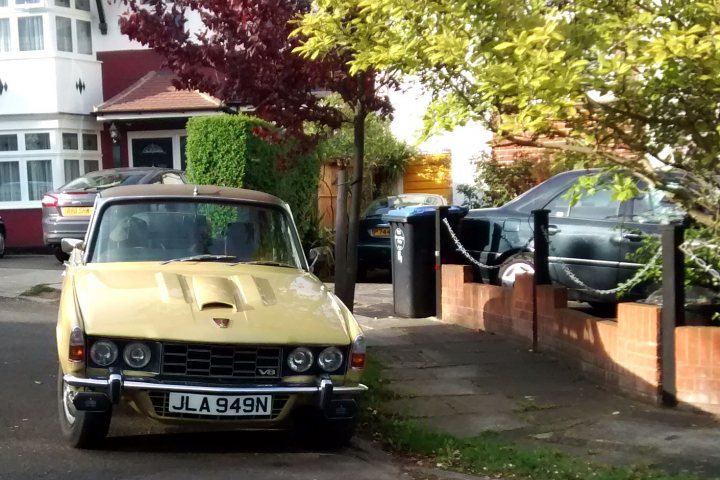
(2, 244)
(68, 407)
(508, 276)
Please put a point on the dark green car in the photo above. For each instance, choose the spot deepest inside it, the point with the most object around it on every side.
(591, 238)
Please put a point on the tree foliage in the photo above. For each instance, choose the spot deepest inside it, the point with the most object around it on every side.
(385, 155)
(243, 55)
(632, 84)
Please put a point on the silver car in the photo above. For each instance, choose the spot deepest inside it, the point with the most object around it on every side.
(66, 211)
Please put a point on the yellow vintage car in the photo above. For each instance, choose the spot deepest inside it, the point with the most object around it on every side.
(196, 304)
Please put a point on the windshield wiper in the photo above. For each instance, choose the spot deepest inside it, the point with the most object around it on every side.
(201, 258)
(268, 263)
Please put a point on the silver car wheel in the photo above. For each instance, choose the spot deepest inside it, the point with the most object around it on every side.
(2, 244)
(508, 276)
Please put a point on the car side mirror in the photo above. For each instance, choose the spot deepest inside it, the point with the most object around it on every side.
(70, 244)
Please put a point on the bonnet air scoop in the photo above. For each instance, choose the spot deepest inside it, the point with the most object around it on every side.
(215, 292)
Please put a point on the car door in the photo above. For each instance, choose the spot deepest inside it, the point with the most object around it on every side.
(645, 215)
(584, 238)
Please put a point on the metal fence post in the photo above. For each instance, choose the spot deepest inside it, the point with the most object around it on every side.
(673, 311)
(541, 219)
(542, 264)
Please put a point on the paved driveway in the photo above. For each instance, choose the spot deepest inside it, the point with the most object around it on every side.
(20, 272)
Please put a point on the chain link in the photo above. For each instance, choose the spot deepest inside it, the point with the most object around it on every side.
(621, 286)
(460, 248)
(690, 245)
(628, 283)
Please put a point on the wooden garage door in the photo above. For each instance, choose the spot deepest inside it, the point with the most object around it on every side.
(429, 174)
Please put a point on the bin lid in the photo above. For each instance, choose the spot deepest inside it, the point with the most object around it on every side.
(405, 213)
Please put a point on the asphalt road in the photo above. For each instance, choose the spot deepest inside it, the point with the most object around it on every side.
(31, 445)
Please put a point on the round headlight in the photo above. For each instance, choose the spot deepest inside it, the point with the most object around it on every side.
(330, 359)
(104, 353)
(300, 360)
(136, 355)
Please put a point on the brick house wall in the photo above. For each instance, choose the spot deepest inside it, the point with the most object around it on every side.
(625, 353)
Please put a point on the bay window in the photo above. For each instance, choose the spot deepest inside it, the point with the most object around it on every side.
(8, 143)
(72, 170)
(63, 29)
(37, 141)
(30, 31)
(84, 36)
(10, 182)
(70, 141)
(39, 174)
(4, 34)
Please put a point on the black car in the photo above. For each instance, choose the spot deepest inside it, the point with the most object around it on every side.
(374, 241)
(3, 237)
(592, 238)
(66, 211)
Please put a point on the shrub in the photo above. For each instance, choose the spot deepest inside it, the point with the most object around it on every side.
(234, 151)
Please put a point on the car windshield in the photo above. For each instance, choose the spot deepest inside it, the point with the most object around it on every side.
(101, 180)
(384, 205)
(172, 230)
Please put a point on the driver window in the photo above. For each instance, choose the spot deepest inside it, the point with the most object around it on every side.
(597, 206)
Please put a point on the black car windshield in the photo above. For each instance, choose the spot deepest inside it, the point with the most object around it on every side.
(384, 205)
(101, 180)
(171, 230)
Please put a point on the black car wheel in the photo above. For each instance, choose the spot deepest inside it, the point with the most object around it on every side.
(80, 429)
(519, 263)
(59, 254)
(312, 426)
(2, 244)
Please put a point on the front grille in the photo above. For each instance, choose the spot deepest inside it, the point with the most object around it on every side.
(160, 404)
(221, 363)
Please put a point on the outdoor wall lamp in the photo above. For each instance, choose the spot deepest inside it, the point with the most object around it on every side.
(3, 87)
(114, 133)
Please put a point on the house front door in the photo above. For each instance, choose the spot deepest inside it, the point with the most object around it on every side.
(152, 152)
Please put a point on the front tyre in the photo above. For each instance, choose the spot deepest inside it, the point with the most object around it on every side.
(312, 426)
(521, 263)
(61, 256)
(80, 429)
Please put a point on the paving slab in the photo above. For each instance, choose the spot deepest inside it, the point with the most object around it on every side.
(18, 273)
(467, 426)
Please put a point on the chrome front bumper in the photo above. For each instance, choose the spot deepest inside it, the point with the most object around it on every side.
(115, 384)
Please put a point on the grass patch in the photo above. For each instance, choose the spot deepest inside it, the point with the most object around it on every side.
(38, 290)
(486, 454)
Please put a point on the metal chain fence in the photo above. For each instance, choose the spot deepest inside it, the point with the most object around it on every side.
(689, 248)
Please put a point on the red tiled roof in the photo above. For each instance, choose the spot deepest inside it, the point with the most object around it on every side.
(155, 93)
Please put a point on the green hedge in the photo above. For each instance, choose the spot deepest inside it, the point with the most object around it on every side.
(224, 150)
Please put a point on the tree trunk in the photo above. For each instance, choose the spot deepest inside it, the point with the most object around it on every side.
(341, 230)
(358, 161)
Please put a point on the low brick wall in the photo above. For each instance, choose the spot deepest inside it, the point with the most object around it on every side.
(625, 352)
(697, 360)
